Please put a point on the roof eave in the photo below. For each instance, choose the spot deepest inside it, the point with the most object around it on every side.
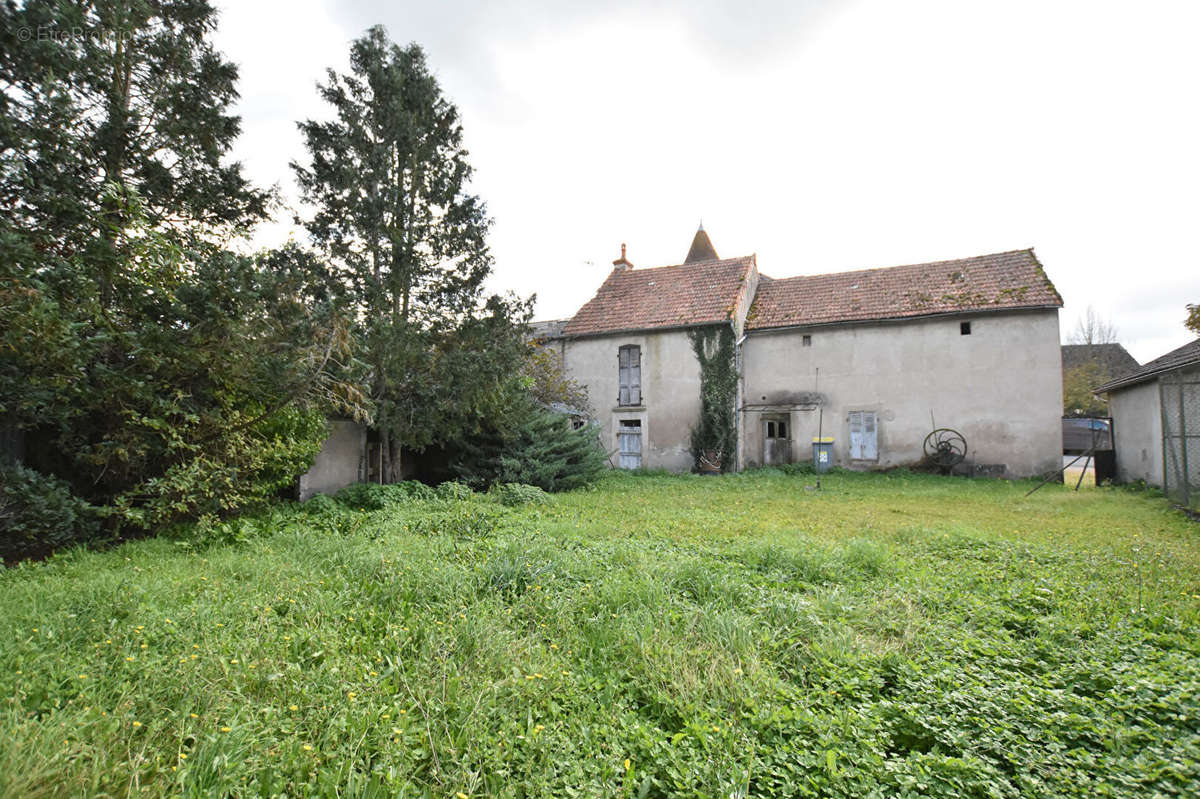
(897, 319)
(1126, 382)
(656, 329)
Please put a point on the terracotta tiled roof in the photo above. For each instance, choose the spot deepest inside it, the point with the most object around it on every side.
(668, 296)
(1187, 355)
(1001, 281)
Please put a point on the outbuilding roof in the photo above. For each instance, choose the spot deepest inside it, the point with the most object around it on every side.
(1186, 355)
(663, 297)
(1113, 358)
(1000, 281)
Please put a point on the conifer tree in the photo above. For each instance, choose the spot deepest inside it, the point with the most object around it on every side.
(535, 446)
(388, 178)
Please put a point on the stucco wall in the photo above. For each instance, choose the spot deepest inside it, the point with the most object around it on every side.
(1000, 386)
(670, 391)
(337, 464)
(1137, 429)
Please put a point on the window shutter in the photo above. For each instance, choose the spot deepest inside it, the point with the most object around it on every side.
(629, 371)
(635, 375)
(623, 376)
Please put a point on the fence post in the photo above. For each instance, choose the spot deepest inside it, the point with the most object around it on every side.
(1183, 446)
(1164, 434)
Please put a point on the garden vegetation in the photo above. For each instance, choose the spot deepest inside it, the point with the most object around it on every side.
(742, 635)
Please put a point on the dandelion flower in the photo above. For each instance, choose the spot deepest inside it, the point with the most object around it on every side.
(226, 729)
(627, 764)
(306, 748)
(293, 707)
(137, 724)
(193, 715)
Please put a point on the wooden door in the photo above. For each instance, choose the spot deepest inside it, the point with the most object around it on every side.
(777, 441)
(864, 439)
(629, 444)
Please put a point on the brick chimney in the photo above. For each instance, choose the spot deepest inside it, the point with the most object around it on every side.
(622, 263)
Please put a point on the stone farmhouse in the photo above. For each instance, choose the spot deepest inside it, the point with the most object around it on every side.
(875, 359)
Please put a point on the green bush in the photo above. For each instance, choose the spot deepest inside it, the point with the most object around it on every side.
(514, 494)
(374, 496)
(38, 513)
(454, 491)
(322, 505)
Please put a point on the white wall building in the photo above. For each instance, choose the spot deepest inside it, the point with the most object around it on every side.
(874, 358)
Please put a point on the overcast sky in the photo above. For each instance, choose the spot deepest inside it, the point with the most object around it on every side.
(823, 136)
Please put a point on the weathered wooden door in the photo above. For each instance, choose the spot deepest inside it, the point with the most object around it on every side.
(629, 444)
(864, 440)
(777, 441)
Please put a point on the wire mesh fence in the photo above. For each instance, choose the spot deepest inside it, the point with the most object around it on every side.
(1179, 394)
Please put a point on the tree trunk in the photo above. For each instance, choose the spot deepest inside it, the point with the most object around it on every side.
(395, 471)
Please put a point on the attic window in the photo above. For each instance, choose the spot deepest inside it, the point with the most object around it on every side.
(806, 341)
(964, 328)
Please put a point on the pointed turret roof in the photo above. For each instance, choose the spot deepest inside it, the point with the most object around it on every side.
(702, 248)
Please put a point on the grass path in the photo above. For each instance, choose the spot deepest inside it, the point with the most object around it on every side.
(656, 636)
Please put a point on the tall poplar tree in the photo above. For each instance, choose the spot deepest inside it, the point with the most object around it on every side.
(389, 180)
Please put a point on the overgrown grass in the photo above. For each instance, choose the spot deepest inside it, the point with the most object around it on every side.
(657, 636)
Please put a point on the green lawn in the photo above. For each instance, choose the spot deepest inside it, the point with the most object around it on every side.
(657, 636)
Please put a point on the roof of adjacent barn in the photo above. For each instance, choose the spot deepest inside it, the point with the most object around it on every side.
(1114, 359)
(1000, 281)
(1187, 355)
(667, 296)
(547, 330)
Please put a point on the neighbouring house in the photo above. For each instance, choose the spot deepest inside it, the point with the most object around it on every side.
(1088, 365)
(1156, 423)
(875, 359)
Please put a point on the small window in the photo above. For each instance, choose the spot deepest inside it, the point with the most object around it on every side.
(964, 328)
(806, 341)
(629, 369)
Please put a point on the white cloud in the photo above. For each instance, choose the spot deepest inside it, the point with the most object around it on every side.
(821, 136)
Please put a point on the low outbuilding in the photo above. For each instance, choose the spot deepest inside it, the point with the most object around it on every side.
(1156, 423)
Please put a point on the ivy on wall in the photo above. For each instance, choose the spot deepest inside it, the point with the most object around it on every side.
(715, 436)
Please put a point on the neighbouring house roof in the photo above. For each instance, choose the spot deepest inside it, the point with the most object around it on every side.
(1186, 355)
(1114, 359)
(1001, 281)
(547, 330)
(667, 296)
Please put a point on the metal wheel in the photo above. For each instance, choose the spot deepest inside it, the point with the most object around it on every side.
(945, 447)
